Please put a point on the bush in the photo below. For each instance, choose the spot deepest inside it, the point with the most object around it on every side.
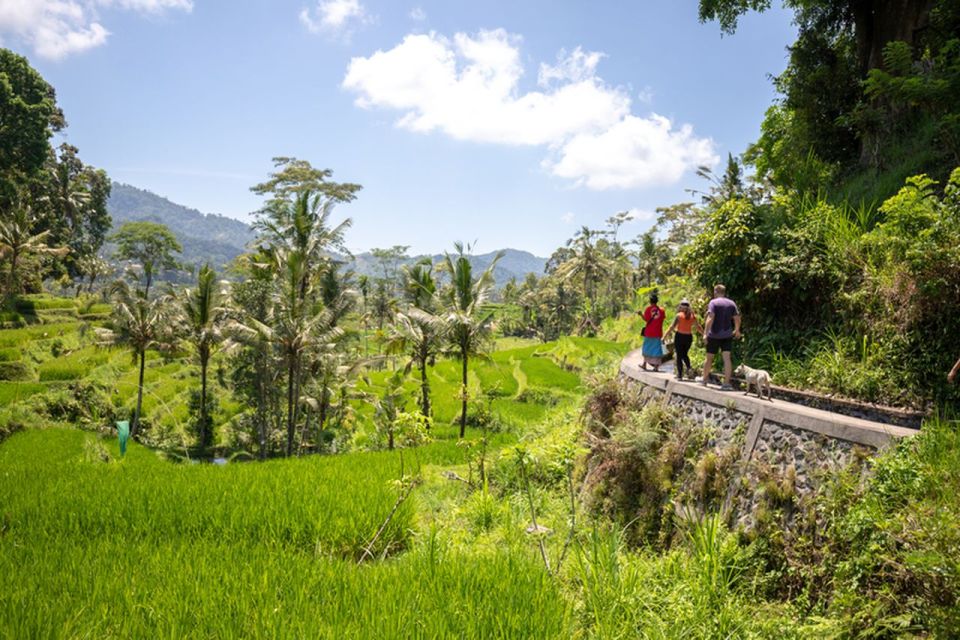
(15, 370)
(9, 354)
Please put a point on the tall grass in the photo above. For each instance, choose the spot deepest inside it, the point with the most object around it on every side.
(97, 547)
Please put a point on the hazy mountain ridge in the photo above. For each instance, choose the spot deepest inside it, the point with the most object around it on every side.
(209, 237)
(206, 237)
(515, 263)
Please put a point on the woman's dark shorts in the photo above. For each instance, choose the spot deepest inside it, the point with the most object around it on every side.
(718, 344)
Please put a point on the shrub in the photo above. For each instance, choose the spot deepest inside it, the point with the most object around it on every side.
(9, 354)
(15, 370)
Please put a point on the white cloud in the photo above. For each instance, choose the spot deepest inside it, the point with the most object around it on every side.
(418, 14)
(567, 218)
(635, 152)
(468, 88)
(55, 29)
(576, 67)
(640, 215)
(334, 17)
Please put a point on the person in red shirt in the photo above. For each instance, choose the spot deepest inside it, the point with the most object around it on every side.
(653, 333)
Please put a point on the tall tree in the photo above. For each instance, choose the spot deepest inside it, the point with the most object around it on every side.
(149, 244)
(77, 201)
(202, 316)
(468, 325)
(294, 176)
(874, 23)
(29, 116)
(418, 332)
(139, 323)
(586, 263)
(18, 240)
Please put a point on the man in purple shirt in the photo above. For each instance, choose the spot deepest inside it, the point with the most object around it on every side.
(722, 326)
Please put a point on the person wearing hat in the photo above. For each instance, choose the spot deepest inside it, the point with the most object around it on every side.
(684, 323)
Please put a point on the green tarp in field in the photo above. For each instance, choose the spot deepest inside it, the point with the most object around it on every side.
(123, 434)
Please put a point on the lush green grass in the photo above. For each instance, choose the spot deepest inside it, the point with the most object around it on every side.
(129, 589)
(333, 503)
(75, 365)
(140, 547)
(17, 337)
(11, 392)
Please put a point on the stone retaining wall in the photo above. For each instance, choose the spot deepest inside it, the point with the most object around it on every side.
(777, 439)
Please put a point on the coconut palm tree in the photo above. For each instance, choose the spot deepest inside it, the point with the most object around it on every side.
(202, 318)
(418, 332)
(420, 335)
(467, 324)
(587, 263)
(17, 241)
(293, 327)
(139, 323)
(302, 226)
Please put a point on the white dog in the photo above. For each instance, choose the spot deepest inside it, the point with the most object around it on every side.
(757, 377)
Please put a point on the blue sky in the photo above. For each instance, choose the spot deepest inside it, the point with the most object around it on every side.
(506, 123)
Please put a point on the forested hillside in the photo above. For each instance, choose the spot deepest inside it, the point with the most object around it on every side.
(204, 237)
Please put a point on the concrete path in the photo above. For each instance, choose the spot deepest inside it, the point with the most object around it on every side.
(798, 416)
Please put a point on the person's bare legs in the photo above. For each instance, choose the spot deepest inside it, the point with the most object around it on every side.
(727, 368)
(707, 366)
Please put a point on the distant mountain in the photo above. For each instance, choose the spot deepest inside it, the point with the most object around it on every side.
(205, 237)
(217, 239)
(515, 263)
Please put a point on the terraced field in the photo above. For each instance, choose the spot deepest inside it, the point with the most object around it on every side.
(94, 545)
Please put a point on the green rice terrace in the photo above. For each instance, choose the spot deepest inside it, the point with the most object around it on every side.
(434, 538)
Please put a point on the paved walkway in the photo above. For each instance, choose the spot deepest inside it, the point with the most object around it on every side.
(834, 425)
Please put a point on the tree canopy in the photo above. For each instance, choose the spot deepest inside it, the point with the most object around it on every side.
(149, 244)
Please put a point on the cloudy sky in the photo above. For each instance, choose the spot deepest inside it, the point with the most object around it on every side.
(506, 123)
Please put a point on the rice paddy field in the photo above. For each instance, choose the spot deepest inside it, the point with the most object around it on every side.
(94, 545)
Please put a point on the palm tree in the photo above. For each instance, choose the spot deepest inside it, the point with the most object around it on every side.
(17, 241)
(420, 335)
(468, 326)
(292, 327)
(139, 323)
(202, 318)
(298, 237)
(302, 226)
(588, 263)
(648, 255)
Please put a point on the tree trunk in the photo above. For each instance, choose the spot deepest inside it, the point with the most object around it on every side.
(12, 289)
(424, 389)
(262, 409)
(204, 432)
(290, 390)
(463, 406)
(136, 414)
(879, 22)
(324, 406)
